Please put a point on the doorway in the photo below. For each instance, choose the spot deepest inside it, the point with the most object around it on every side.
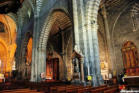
(52, 69)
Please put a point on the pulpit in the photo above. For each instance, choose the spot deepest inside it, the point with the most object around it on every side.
(78, 71)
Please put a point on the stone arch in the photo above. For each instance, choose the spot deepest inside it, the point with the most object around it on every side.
(116, 21)
(48, 25)
(4, 44)
(31, 4)
(3, 56)
(53, 18)
(117, 18)
(10, 28)
(8, 39)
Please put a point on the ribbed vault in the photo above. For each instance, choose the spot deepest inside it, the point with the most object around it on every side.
(58, 20)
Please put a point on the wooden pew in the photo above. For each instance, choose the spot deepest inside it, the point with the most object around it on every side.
(64, 89)
(88, 89)
(61, 89)
(73, 89)
(53, 89)
(113, 90)
(20, 91)
(49, 87)
(101, 89)
(83, 89)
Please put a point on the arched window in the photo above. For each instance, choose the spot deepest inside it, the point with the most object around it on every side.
(130, 56)
(29, 52)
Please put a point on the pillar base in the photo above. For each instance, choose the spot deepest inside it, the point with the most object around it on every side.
(97, 80)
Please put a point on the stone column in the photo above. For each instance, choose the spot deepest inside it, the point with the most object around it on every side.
(97, 75)
(92, 7)
(92, 57)
(64, 56)
(82, 69)
(38, 64)
(34, 56)
(41, 62)
(86, 43)
(84, 38)
(81, 41)
(76, 24)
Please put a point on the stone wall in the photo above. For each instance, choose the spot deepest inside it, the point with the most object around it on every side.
(122, 29)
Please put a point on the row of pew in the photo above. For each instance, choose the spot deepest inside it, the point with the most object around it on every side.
(58, 87)
(79, 89)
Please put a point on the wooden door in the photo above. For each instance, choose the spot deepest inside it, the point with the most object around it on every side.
(52, 69)
(49, 70)
(56, 68)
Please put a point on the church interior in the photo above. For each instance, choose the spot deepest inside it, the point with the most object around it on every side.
(69, 46)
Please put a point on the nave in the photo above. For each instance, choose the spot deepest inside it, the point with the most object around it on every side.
(69, 46)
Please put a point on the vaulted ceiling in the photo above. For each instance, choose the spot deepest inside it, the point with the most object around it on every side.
(114, 3)
(62, 22)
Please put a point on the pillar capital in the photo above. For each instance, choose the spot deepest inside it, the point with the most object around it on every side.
(82, 59)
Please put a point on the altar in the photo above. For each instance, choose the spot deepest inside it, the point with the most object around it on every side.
(132, 81)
